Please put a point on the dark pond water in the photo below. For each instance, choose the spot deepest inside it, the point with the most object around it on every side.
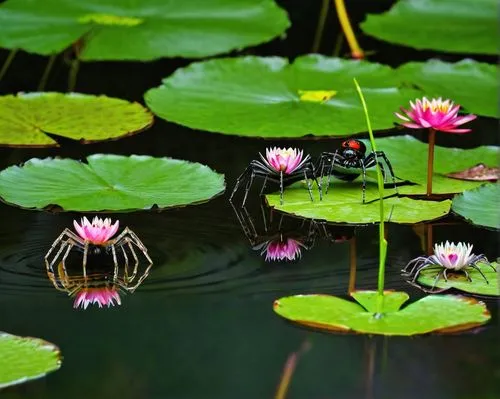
(201, 325)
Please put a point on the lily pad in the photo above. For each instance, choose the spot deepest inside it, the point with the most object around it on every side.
(479, 206)
(439, 313)
(343, 204)
(445, 25)
(26, 358)
(139, 30)
(474, 85)
(108, 182)
(314, 95)
(26, 117)
(459, 281)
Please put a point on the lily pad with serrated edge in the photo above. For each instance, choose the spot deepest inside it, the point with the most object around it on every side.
(444, 25)
(433, 313)
(25, 118)
(25, 358)
(474, 85)
(108, 182)
(313, 95)
(139, 30)
(459, 281)
(480, 205)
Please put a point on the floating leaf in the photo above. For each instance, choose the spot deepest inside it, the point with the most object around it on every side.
(26, 117)
(221, 96)
(479, 206)
(480, 172)
(431, 313)
(459, 281)
(139, 30)
(25, 358)
(446, 25)
(474, 85)
(343, 204)
(108, 182)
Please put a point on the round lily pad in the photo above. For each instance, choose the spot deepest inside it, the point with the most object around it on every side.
(473, 85)
(314, 95)
(26, 117)
(108, 182)
(480, 205)
(26, 358)
(441, 313)
(459, 281)
(139, 30)
(456, 26)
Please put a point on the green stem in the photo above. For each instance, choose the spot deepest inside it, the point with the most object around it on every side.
(430, 160)
(73, 71)
(381, 227)
(46, 72)
(321, 25)
(7, 63)
(338, 44)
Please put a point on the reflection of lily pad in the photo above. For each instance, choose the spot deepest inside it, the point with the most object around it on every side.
(25, 118)
(474, 85)
(24, 358)
(457, 26)
(108, 182)
(432, 313)
(314, 95)
(459, 281)
(343, 204)
(480, 206)
(139, 30)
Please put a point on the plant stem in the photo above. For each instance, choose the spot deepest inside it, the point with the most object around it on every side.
(352, 265)
(381, 227)
(7, 63)
(338, 44)
(321, 25)
(73, 72)
(356, 51)
(46, 72)
(430, 160)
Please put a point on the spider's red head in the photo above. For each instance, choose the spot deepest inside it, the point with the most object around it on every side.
(353, 144)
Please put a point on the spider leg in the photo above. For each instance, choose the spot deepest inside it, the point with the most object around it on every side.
(312, 171)
(67, 233)
(475, 267)
(329, 178)
(263, 186)
(125, 258)
(382, 155)
(419, 270)
(308, 185)
(442, 272)
(363, 168)
(484, 260)
(239, 180)
(467, 274)
(115, 262)
(415, 263)
(445, 275)
(248, 186)
(84, 262)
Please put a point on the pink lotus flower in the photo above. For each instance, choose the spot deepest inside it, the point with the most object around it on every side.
(284, 160)
(98, 232)
(436, 114)
(102, 296)
(453, 256)
(280, 250)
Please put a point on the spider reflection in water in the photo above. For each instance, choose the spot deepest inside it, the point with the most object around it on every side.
(106, 266)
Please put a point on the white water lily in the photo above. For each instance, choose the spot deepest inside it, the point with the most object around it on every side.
(453, 256)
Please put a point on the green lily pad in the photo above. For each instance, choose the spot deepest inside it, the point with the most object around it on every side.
(26, 358)
(343, 204)
(445, 25)
(26, 117)
(139, 30)
(314, 95)
(439, 313)
(479, 206)
(459, 281)
(108, 182)
(474, 85)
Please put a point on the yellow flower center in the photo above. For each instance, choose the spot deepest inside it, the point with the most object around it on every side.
(437, 106)
(108, 19)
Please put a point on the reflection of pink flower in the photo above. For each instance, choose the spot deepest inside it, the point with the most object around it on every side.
(436, 114)
(97, 232)
(453, 256)
(281, 250)
(102, 296)
(284, 160)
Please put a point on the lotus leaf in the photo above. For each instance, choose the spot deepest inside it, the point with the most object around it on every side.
(480, 205)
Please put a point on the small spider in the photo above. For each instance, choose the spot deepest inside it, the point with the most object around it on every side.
(350, 160)
(447, 257)
(280, 165)
(94, 239)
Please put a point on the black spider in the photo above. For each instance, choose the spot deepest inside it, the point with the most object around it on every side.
(350, 160)
(280, 165)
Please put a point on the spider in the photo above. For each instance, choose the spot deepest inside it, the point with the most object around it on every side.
(447, 257)
(280, 165)
(350, 160)
(94, 239)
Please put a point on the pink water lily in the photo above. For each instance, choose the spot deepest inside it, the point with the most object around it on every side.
(285, 160)
(453, 256)
(436, 114)
(288, 249)
(102, 296)
(98, 231)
